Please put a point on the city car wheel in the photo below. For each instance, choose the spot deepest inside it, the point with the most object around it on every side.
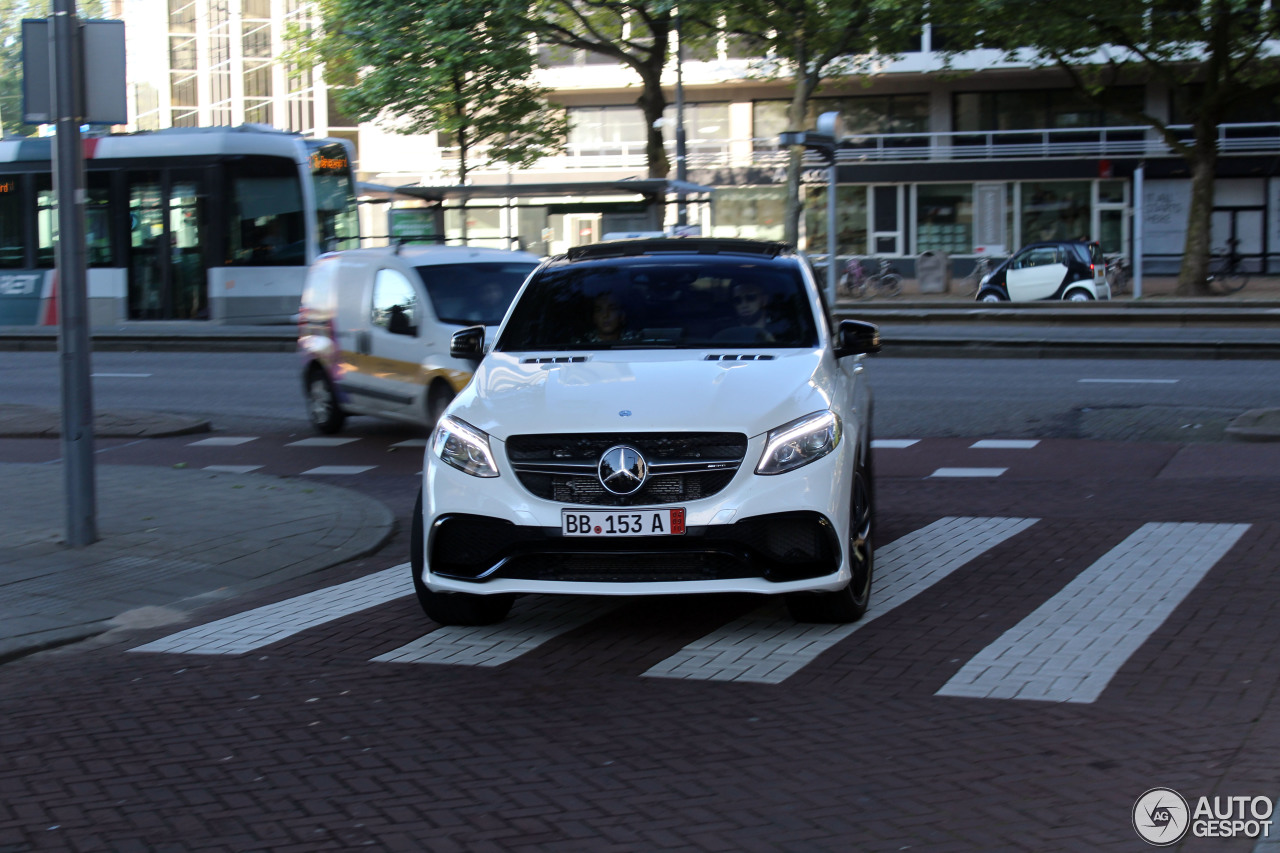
(1079, 295)
(449, 608)
(322, 404)
(850, 603)
(991, 296)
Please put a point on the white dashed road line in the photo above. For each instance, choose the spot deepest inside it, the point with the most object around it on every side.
(340, 470)
(223, 441)
(968, 472)
(1004, 444)
(1071, 647)
(232, 469)
(263, 626)
(767, 646)
(321, 442)
(1130, 381)
(893, 443)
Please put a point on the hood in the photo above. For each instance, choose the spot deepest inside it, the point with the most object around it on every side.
(669, 390)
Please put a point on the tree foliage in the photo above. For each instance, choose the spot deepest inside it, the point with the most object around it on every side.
(1213, 57)
(451, 66)
(813, 41)
(639, 34)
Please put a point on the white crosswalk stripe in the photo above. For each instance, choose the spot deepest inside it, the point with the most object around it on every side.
(1071, 647)
(767, 646)
(263, 626)
(542, 619)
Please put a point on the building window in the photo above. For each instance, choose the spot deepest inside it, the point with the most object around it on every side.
(751, 212)
(851, 219)
(1039, 109)
(944, 218)
(596, 131)
(1055, 210)
(869, 115)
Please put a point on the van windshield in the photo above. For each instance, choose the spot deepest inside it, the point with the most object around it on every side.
(473, 294)
(675, 305)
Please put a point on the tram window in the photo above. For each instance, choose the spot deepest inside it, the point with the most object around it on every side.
(97, 222)
(267, 226)
(12, 254)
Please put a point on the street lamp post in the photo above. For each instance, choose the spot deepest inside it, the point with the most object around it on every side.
(682, 169)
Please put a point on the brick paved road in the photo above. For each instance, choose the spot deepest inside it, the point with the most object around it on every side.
(308, 743)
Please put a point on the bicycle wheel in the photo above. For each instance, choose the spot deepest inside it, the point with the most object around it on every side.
(890, 284)
(1228, 281)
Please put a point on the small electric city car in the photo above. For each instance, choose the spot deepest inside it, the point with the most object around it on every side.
(1070, 270)
(656, 416)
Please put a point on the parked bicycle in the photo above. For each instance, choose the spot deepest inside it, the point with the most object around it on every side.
(980, 269)
(1119, 275)
(856, 283)
(1226, 271)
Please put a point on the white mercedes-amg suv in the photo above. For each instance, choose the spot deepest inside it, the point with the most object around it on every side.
(655, 417)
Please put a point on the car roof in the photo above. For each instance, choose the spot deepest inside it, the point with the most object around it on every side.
(659, 246)
(420, 255)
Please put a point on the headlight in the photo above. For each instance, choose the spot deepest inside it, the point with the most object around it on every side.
(464, 447)
(800, 442)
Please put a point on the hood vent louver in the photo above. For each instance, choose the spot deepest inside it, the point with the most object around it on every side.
(554, 359)
(740, 357)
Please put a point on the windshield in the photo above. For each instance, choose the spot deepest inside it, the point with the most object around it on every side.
(667, 304)
(475, 293)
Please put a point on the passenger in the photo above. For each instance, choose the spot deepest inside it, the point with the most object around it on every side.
(608, 321)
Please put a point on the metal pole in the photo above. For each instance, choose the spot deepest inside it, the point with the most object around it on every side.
(682, 173)
(1136, 264)
(73, 298)
(831, 232)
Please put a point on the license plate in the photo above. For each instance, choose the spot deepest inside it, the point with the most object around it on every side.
(631, 522)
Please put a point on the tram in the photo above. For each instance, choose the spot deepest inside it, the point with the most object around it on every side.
(205, 224)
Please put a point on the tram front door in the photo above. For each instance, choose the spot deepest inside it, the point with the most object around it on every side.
(167, 279)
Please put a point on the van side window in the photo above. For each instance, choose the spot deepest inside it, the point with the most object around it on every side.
(395, 304)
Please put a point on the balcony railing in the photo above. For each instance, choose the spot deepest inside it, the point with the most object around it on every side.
(1048, 144)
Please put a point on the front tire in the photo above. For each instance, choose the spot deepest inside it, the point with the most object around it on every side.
(992, 295)
(850, 603)
(323, 410)
(449, 608)
(1079, 295)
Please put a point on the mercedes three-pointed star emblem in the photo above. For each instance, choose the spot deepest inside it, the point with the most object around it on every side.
(622, 469)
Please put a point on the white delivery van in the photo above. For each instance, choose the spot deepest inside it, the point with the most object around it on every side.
(375, 324)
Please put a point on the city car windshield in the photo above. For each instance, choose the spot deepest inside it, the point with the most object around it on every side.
(473, 293)
(638, 305)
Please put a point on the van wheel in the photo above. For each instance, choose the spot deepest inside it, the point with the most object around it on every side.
(449, 608)
(850, 603)
(322, 404)
(439, 397)
(1079, 295)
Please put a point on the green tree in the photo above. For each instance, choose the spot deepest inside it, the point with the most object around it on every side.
(1214, 57)
(450, 66)
(11, 14)
(636, 33)
(812, 41)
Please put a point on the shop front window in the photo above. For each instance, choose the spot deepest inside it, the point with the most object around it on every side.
(1055, 210)
(944, 218)
(851, 219)
(751, 212)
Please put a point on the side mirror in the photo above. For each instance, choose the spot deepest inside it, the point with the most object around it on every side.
(468, 344)
(856, 337)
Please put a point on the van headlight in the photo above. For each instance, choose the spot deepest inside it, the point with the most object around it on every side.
(800, 442)
(466, 448)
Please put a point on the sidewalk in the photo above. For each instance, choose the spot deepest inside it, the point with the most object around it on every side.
(169, 540)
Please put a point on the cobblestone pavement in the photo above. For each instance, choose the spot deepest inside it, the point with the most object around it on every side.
(329, 738)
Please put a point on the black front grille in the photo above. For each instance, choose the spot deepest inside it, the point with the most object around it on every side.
(683, 466)
(780, 547)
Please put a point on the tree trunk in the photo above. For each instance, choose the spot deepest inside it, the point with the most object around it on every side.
(795, 163)
(1193, 275)
(653, 103)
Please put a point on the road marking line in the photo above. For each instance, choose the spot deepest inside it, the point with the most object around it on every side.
(232, 469)
(767, 646)
(1130, 381)
(968, 472)
(223, 441)
(893, 443)
(413, 442)
(120, 375)
(321, 442)
(1004, 444)
(1071, 647)
(541, 619)
(340, 470)
(263, 626)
